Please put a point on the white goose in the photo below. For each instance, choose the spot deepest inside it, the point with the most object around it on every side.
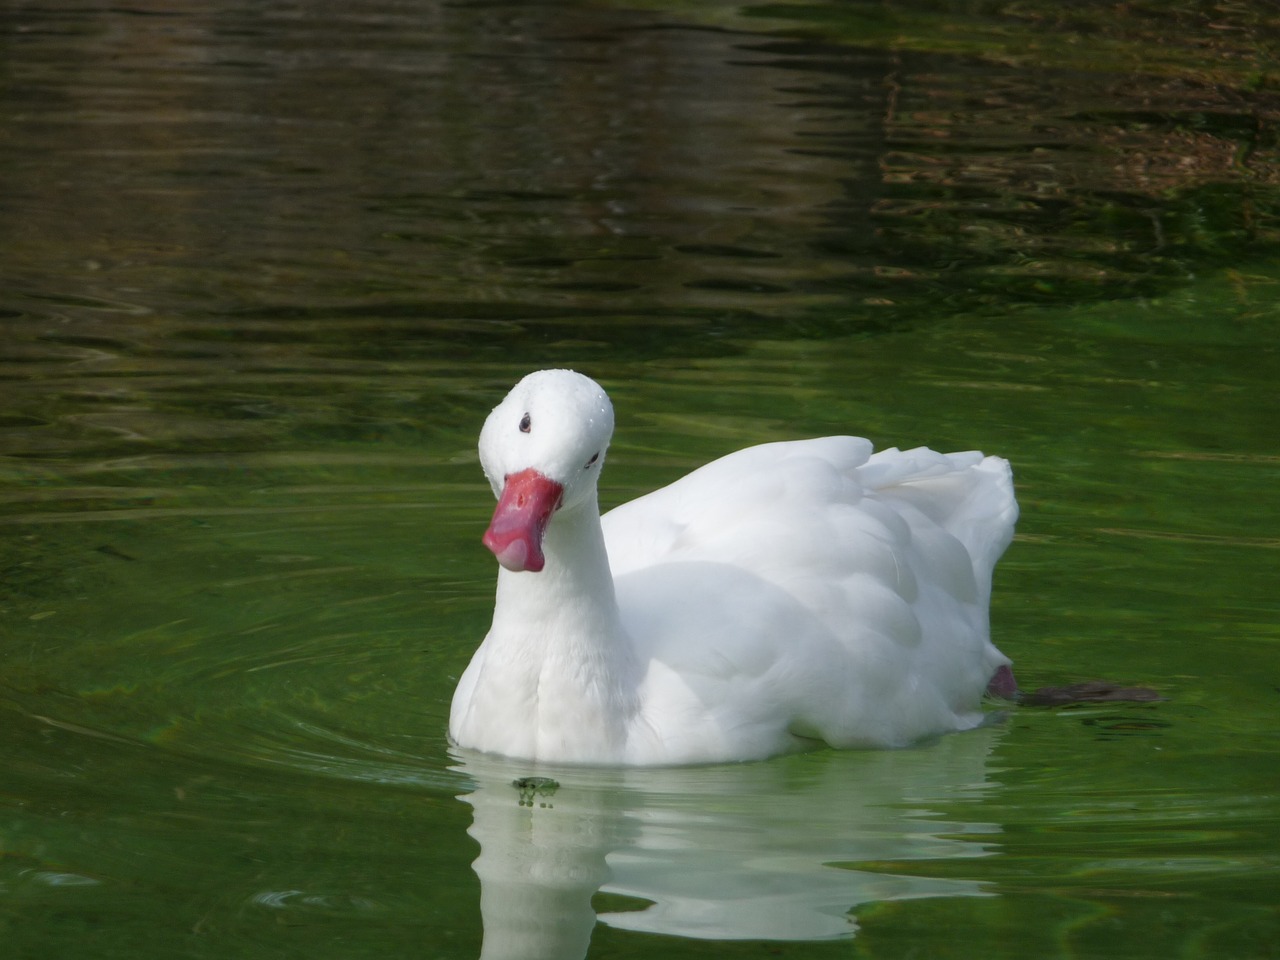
(784, 596)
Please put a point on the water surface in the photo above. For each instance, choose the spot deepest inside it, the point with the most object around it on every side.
(266, 269)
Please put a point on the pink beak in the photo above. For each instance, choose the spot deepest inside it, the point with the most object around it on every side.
(515, 533)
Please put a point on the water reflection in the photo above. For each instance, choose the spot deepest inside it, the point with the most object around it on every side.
(233, 226)
(781, 850)
(268, 264)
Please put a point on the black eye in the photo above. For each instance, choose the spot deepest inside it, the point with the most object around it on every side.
(594, 457)
(525, 423)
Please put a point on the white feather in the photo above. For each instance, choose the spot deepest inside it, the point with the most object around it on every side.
(785, 595)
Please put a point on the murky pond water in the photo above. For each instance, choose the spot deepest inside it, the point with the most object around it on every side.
(267, 267)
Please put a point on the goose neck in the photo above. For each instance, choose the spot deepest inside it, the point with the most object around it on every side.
(573, 595)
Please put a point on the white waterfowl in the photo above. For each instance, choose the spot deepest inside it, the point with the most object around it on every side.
(785, 596)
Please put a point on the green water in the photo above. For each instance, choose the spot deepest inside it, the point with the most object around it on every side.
(265, 271)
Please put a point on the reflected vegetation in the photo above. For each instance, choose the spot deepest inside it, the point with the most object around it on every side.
(218, 216)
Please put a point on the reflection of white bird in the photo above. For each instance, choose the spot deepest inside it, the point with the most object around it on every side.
(782, 596)
(768, 851)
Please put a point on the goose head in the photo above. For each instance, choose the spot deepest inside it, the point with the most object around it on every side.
(542, 448)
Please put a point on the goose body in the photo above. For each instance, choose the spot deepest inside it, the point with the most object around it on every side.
(781, 597)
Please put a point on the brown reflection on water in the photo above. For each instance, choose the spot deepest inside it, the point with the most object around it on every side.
(233, 227)
(412, 151)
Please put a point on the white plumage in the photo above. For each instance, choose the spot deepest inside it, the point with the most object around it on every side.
(784, 596)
